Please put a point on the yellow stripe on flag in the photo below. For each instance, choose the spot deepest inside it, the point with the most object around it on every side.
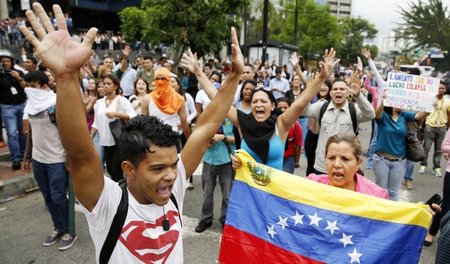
(301, 190)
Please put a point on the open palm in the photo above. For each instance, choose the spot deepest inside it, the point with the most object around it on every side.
(57, 50)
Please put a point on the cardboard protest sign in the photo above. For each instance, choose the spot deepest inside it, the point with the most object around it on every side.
(411, 92)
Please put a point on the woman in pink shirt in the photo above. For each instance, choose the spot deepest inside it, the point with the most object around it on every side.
(343, 157)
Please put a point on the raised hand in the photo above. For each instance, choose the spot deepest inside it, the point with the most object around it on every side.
(294, 59)
(237, 59)
(328, 64)
(57, 50)
(190, 61)
(366, 53)
(359, 64)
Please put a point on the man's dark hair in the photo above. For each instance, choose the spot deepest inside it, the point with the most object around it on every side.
(36, 76)
(32, 59)
(338, 80)
(140, 133)
(147, 58)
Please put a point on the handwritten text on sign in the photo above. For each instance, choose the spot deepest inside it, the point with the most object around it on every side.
(411, 92)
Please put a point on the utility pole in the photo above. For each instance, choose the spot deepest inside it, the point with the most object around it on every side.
(265, 30)
(296, 24)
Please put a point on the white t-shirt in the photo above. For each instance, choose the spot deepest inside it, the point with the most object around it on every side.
(203, 99)
(101, 121)
(142, 240)
(281, 84)
(171, 119)
(40, 107)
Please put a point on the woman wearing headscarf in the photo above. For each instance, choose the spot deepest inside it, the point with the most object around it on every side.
(165, 103)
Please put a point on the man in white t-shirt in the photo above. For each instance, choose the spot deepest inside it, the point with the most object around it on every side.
(153, 170)
(278, 85)
(48, 157)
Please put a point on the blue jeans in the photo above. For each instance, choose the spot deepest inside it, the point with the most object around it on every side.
(389, 174)
(372, 147)
(289, 164)
(409, 171)
(53, 180)
(210, 173)
(12, 118)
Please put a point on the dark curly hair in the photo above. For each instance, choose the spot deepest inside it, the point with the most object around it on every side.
(140, 133)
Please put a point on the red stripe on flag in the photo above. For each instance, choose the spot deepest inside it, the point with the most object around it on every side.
(241, 247)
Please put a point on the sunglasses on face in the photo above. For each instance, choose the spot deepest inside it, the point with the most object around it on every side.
(160, 79)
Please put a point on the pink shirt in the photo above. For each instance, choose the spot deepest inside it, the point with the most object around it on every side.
(445, 147)
(363, 185)
(373, 90)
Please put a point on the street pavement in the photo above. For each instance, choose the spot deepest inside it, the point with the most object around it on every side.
(25, 223)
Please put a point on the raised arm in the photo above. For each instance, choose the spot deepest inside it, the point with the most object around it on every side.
(380, 82)
(64, 57)
(212, 117)
(287, 119)
(380, 107)
(190, 61)
(298, 70)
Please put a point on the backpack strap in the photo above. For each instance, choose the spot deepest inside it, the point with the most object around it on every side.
(174, 201)
(322, 112)
(116, 226)
(351, 108)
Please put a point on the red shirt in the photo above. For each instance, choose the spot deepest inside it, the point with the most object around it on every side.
(295, 138)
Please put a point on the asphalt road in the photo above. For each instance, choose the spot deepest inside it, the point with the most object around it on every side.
(25, 223)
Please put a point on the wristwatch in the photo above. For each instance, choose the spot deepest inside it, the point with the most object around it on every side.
(224, 138)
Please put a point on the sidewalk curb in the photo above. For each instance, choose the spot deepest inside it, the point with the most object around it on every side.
(17, 185)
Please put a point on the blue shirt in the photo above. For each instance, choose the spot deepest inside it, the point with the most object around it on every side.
(218, 154)
(391, 137)
(275, 155)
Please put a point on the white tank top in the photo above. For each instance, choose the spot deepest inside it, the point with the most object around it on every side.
(171, 119)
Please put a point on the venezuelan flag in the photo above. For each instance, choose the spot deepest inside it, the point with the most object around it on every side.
(276, 217)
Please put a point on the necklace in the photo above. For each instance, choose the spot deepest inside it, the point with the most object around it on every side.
(109, 101)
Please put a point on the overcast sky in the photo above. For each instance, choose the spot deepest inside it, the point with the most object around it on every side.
(384, 13)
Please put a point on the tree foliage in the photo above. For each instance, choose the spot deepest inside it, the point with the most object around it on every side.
(202, 25)
(317, 28)
(353, 32)
(427, 24)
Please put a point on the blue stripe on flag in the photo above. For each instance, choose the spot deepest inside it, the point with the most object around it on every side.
(336, 238)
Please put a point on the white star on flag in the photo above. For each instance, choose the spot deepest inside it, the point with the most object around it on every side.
(355, 256)
(314, 219)
(271, 231)
(332, 226)
(298, 218)
(346, 240)
(282, 222)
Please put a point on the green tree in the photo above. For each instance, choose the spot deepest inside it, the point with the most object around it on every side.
(427, 24)
(202, 25)
(353, 32)
(317, 28)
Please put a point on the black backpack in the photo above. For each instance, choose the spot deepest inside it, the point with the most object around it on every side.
(351, 108)
(118, 221)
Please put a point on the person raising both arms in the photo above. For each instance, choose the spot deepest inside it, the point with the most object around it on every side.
(154, 173)
(264, 131)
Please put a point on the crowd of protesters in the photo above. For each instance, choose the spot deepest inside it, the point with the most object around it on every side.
(277, 113)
